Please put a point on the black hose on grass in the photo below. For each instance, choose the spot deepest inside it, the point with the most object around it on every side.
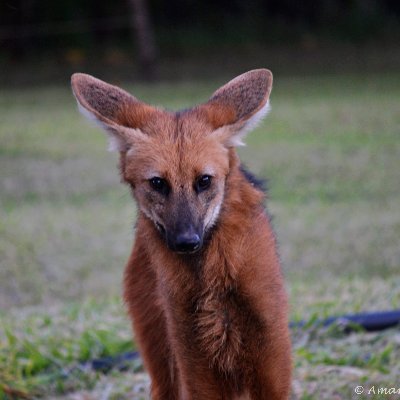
(120, 362)
(369, 321)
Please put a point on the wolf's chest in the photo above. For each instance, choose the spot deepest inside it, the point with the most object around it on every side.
(222, 322)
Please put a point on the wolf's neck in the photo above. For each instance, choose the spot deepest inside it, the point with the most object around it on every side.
(241, 223)
(243, 201)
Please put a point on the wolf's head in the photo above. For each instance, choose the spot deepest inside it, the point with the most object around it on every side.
(177, 162)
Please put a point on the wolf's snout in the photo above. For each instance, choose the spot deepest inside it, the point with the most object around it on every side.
(186, 242)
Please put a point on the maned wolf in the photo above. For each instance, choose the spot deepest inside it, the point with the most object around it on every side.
(203, 284)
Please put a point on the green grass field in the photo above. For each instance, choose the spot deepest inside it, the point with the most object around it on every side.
(330, 149)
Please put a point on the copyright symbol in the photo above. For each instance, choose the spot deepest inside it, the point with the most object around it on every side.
(359, 389)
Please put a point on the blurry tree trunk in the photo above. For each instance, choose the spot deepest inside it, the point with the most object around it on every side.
(143, 31)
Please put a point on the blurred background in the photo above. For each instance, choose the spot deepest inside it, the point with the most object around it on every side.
(330, 149)
(155, 39)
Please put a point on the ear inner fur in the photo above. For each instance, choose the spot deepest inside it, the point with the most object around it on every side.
(120, 114)
(110, 104)
(98, 97)
(242, 96)
(247, 93)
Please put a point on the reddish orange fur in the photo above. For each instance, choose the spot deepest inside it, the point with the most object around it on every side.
(254, 355)
(210, 325)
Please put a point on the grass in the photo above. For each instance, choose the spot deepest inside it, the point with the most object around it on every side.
(331, 152)
(46, 351)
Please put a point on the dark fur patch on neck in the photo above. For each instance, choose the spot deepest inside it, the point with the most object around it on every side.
(258, 183)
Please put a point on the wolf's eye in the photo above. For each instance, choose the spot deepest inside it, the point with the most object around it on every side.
(203, 183)
(160, 185)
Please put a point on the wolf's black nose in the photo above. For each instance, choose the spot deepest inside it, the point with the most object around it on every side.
(187, 242)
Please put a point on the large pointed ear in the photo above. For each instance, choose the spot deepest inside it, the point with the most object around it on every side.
(118, 112)
(237, 107)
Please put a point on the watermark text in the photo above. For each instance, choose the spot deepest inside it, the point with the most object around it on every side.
(374, 390)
